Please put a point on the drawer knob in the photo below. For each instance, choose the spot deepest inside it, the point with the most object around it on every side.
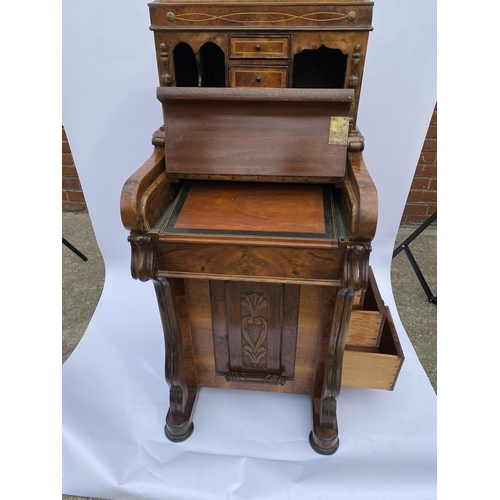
(257, 47)
(257, 78)
(170, 16)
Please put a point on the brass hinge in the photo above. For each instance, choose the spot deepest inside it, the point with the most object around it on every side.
(339, 130)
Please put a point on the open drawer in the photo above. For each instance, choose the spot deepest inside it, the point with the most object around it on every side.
(373, 356)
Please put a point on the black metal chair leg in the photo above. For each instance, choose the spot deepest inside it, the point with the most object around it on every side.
(406, 248)
(420, 276)
(415, 233)
(75, 250)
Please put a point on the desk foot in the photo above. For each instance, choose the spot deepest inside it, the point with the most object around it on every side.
(323, 446)
(324, 439)
(179, 426)
(178, 438)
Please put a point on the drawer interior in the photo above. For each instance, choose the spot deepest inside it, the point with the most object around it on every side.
(373, 356)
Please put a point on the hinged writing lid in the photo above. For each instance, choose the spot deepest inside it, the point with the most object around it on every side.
(268, 135)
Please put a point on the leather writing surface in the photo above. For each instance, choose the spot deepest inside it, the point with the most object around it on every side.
(238, 208)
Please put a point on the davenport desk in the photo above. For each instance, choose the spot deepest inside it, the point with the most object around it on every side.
(255, 213)
(254, 222)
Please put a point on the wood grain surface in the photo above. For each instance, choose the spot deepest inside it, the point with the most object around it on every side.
(253, 207)
(146, 193)
(262, 76)
(256, 47)
(236, 132)
(373, 367)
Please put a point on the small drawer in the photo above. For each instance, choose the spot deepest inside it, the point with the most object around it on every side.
(373, 356)
(259, 48)
(270, 77)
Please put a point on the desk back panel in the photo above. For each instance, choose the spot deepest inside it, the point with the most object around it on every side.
(263, 135)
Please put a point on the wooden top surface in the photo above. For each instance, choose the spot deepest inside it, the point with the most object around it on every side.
(270, 134)
(252, 209)
(260, 2)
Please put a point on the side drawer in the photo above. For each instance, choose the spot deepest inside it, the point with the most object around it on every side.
(268, 77)
(373, 356)
(259, 48)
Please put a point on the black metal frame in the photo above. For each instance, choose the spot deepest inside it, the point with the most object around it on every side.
(75, 250)
(406, 248)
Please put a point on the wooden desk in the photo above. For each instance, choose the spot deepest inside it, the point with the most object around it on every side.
(259, 250)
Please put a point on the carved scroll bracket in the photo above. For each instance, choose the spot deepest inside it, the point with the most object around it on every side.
(356, 268)
(353, 80)
(166, 77)
(143, 265)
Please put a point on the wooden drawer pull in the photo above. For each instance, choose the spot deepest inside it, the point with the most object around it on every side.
(257, 78)
(257, 47)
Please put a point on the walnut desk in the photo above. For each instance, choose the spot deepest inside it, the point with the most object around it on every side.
(254, 221)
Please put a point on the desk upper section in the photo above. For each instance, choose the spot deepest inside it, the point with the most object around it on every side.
(262, 43)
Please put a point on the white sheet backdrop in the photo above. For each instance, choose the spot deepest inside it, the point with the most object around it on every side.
(246, 445)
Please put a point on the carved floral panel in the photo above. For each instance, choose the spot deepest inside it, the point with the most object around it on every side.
(254, 328)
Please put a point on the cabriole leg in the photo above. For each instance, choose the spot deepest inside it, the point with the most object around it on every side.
(324, 438)
(179, 425)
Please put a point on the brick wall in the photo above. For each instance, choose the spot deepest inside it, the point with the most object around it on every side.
(73, 199)
(422, 199)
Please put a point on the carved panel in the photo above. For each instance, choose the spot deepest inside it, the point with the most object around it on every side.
(253, 378)
(254, 324)
(254, 328)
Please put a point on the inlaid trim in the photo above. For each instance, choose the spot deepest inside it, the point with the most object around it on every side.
(242, 17)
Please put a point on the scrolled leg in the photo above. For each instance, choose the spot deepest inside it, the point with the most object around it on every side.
(179, 425)
(324, 437)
